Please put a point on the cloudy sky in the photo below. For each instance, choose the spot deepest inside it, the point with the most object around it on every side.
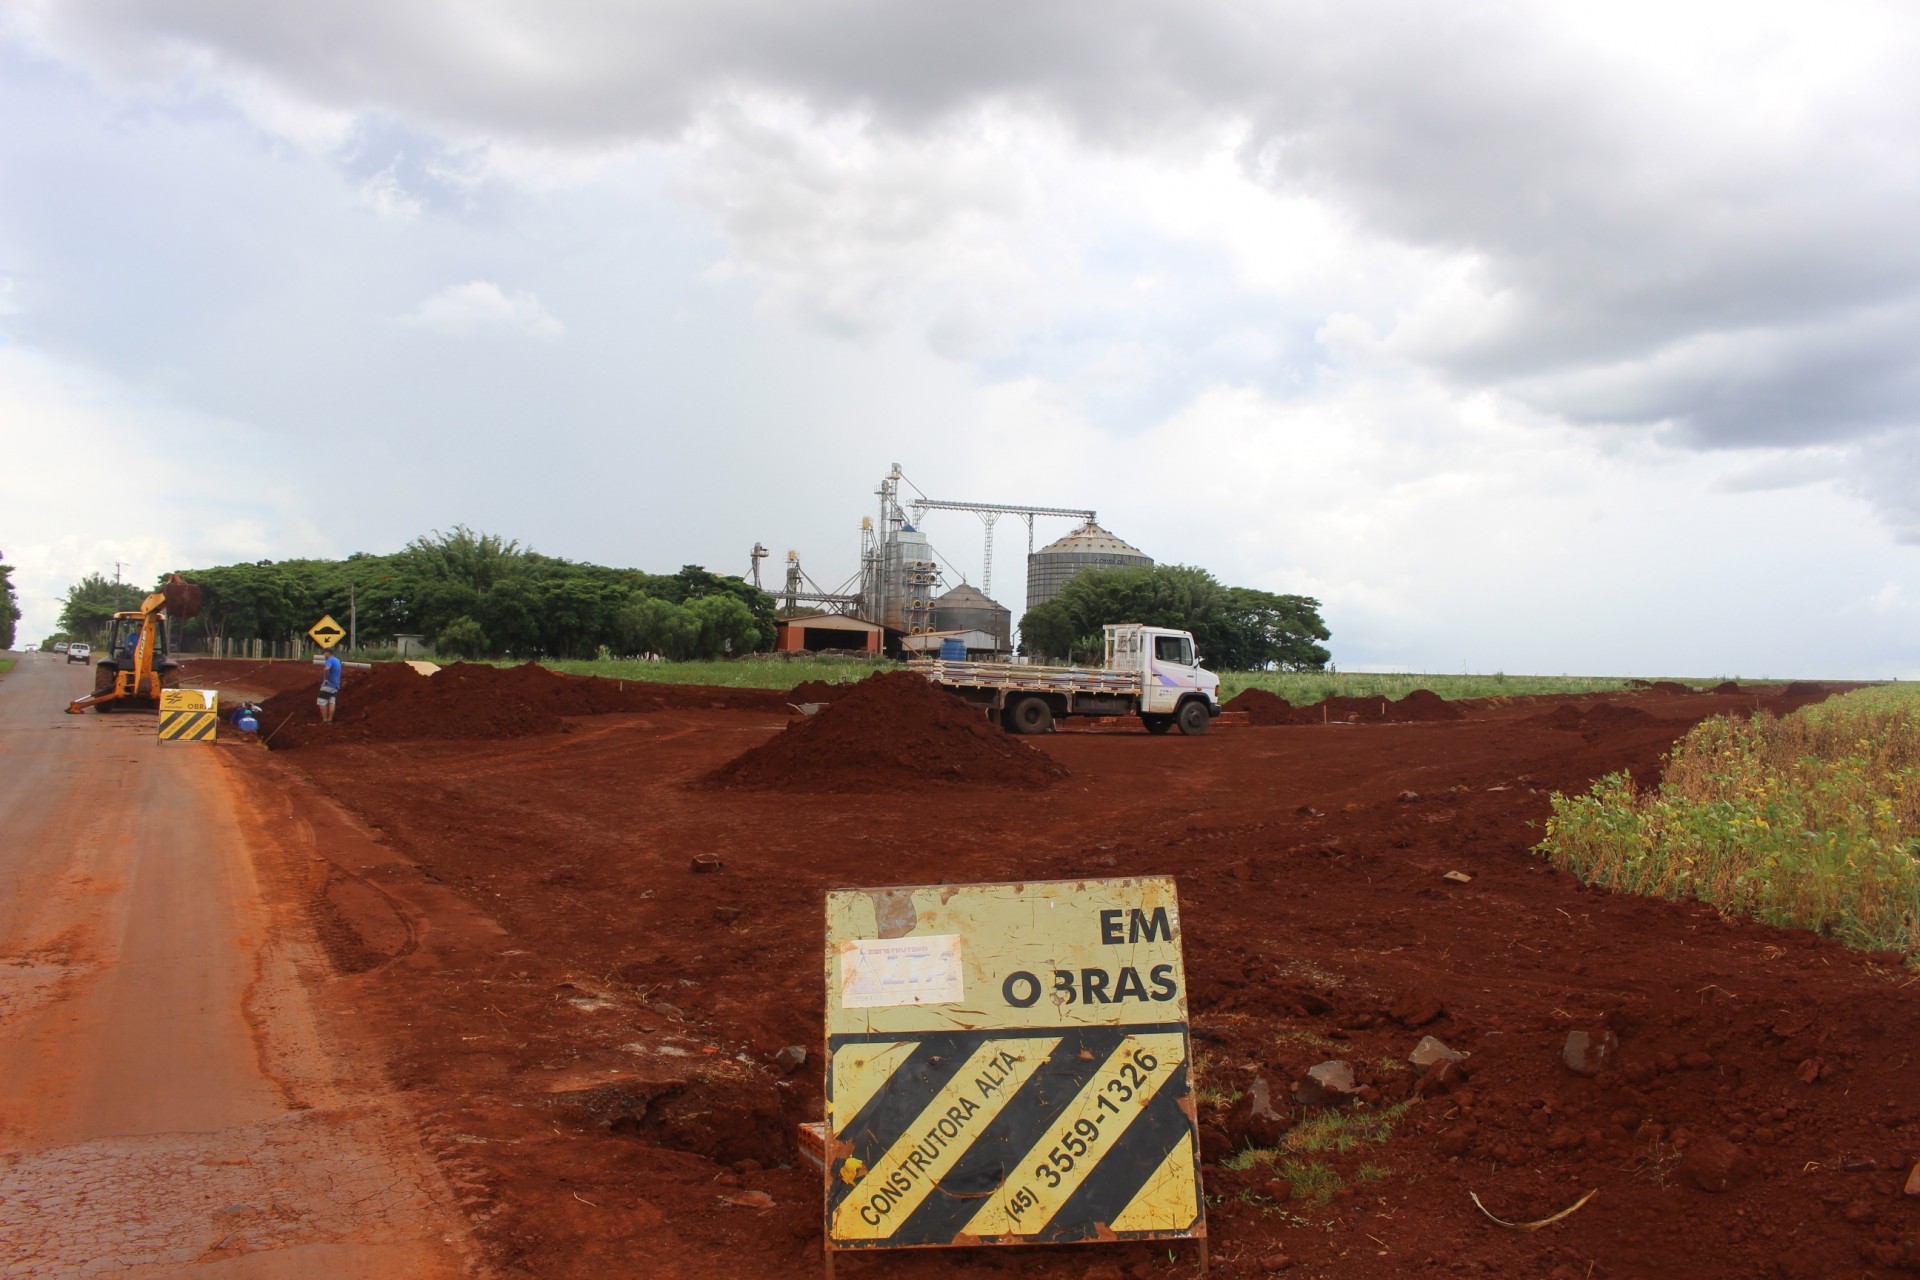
(1527, 337)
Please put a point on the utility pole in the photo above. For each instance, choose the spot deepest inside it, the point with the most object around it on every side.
(353, 617)
(117, 605)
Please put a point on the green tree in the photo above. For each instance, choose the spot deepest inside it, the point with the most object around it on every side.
(647, 624)
(1047, 631)
(1235, 628)
(463, 638)
(90, 606)
(9, 607)
(259, 601)
(726, 626)
(475, 560)
(1259, 629)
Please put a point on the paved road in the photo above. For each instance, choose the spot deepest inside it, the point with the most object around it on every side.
(167, 1105)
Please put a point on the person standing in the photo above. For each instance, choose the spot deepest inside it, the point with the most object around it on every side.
(329, 686)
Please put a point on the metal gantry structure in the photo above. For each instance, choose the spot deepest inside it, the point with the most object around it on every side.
(800, 589)
(990, 513)
(888, 570)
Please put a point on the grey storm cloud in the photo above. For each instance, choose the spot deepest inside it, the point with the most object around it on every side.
(1727, 255)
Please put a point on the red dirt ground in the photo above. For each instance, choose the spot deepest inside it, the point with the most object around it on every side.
(887, 733)
(600, 1080)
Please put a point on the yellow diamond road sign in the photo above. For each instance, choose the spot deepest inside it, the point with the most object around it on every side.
(327, 633)
(1008, 1064)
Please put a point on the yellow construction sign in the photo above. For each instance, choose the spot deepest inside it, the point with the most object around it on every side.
(1008, 1064)
(189, 715)
(327, 633)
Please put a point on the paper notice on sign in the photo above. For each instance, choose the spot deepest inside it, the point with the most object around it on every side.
(880, 973)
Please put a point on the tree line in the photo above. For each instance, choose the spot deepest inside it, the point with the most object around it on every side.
(476, 595)
(9, 607)
(1234, 628)
(470, 594)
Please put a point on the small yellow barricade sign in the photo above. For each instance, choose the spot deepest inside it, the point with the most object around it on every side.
(189, 715)
(327, 633)
(1008, 1064)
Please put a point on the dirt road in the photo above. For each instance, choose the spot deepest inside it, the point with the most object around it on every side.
(172, 1099)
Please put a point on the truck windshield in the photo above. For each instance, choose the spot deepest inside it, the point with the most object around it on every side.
(1173, 649)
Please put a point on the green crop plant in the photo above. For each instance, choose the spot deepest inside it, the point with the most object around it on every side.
(1811, 820)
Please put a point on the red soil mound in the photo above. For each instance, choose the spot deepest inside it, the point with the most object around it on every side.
(1420, 705)
(888, 733)
(1804, 689)
(1669, 686)
(813, 691)
(1597, 718)
(394, 703)
(1263, 707)
(1726, 686)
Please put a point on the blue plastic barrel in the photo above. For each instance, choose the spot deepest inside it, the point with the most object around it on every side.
(953, 649)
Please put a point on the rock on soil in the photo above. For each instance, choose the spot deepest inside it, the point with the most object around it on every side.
(1587, 1053)
(1254, 1122)
(888, 732)
(1327, 1085)
(1714, 1164)
(1431, 1050)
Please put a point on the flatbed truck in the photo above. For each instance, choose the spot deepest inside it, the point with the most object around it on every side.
(1151, 672)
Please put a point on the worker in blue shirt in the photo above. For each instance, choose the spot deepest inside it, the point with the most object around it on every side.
(329, 686)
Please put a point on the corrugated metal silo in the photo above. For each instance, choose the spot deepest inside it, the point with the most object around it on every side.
(1088, 547)
(965, 609)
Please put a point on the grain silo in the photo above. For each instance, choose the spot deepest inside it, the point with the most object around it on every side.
(965, 608)
(908, 575)
(1088, 547)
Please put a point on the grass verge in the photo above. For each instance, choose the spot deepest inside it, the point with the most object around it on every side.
(6, 665)
(1810, 821)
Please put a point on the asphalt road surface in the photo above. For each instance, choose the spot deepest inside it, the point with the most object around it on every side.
(174, 1099)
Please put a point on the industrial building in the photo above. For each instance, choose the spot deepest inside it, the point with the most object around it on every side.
(898, 590)
(819, 632)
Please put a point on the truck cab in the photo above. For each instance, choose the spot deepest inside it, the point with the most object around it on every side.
(1174, 687)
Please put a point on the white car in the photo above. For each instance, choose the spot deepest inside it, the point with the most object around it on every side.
(79, 653)
(60, 646)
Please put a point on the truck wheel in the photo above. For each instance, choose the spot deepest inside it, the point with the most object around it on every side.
(1157, 723)
(1193, 717)
(1029, 715)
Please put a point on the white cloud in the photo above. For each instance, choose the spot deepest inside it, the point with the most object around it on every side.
(181, 489)
(481, 306)
(384, 194)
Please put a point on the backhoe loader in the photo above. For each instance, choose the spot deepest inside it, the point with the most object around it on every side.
(135, 662)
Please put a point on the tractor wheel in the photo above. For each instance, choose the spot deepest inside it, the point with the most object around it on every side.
(1194, 718)
(1029, 715)
(1157, 723)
